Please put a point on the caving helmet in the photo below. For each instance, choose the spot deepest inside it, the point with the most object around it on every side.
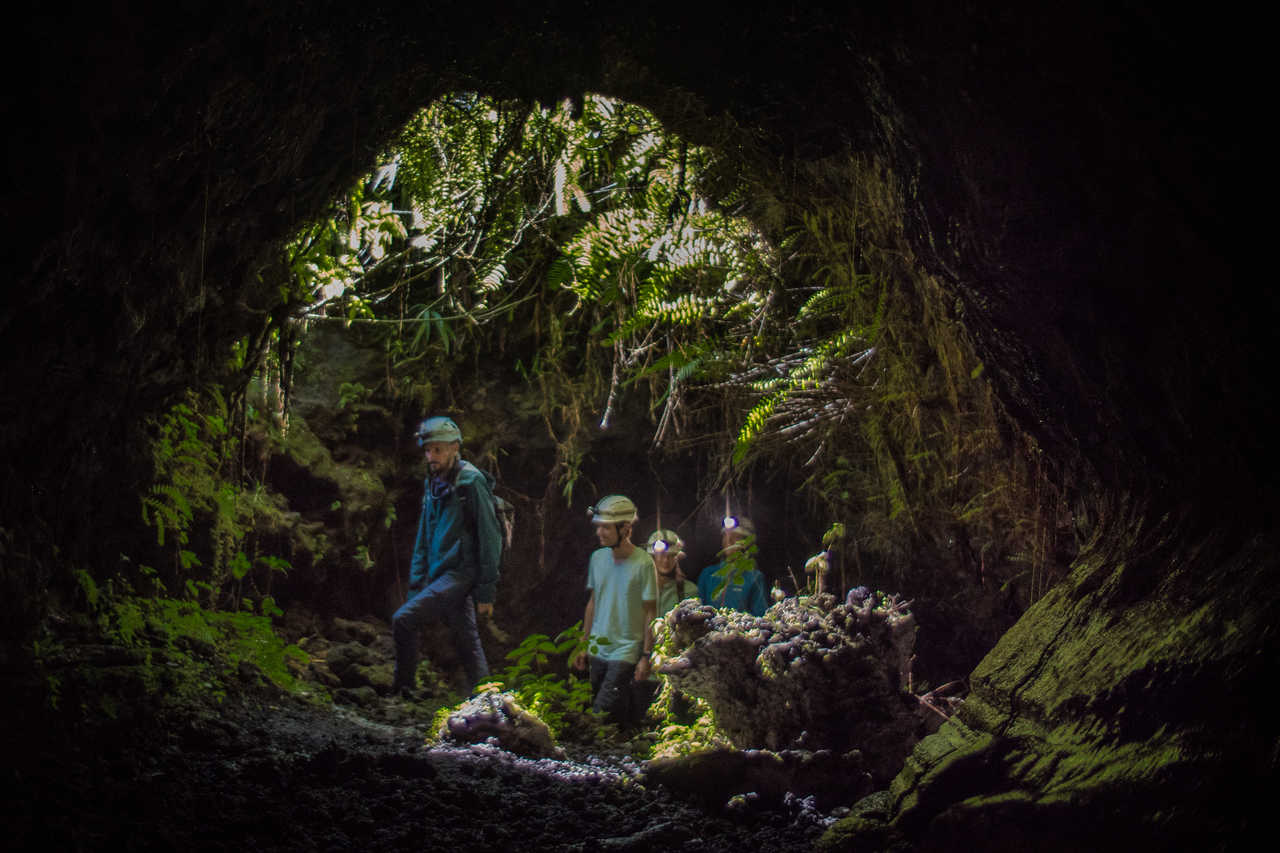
(437, 429)
(664, 542)
(613, 509)
(739, 524)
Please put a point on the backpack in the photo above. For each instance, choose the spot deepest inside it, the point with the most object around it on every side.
(506, 513)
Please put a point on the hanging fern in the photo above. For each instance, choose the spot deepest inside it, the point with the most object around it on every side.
(167, 509)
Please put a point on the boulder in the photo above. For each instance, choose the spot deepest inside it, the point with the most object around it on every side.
(499, 716)
(809, 674)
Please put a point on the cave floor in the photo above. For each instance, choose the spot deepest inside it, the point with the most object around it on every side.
(270, 772)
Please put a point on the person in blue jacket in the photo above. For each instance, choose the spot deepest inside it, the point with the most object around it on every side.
(454, 570)
(734, 581)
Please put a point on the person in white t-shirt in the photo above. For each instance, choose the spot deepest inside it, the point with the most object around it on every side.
(621, 607)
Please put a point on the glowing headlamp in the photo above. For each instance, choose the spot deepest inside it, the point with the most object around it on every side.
(661, 546)
(731, 522)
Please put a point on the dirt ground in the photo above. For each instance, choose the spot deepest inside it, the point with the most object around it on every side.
(264, 771)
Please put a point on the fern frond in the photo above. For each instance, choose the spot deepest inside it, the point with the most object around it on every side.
(687, 370)
(753, 425)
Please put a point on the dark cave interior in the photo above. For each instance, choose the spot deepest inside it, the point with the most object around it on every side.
(1076, 179)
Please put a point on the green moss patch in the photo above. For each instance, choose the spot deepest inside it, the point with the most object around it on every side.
(167, 652)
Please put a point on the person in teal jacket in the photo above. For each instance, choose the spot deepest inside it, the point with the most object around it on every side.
(721, 585)
(454, 570)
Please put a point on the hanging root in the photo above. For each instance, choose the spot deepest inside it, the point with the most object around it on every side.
(943, 706)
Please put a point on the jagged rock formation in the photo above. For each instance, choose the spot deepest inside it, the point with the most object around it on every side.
(1096, 716)
(809, 674)
(1076, 181)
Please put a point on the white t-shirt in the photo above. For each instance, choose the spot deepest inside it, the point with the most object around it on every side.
(620, 589)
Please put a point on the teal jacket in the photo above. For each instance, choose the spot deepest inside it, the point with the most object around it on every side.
(458, 532)
(745, 594)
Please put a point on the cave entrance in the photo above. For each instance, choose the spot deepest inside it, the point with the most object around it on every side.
(585, 292)
(606, 307)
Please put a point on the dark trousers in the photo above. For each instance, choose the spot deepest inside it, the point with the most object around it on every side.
(446, 599)
(612, 685)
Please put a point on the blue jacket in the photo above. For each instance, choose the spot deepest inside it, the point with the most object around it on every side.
(458, 532)
(747, 594)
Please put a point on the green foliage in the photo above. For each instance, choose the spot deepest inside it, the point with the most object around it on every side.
(88, 587)
(186, 457)
(818, 363)
(235, 637)
(275, 564)
(240, 565)
(885, 402)
(684, 732)
(159, 652)
(587, 226)
(684, 724)
(188, 449)
(203, 520)
(737, 563)
(350, 393)
(538, 675)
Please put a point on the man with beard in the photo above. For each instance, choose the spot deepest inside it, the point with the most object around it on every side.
(620, 611)
(454, 571)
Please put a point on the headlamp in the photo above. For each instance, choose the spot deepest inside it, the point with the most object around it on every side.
(730, 522)
(661, 546)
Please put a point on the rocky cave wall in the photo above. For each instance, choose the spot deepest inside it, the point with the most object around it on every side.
(1074, 179)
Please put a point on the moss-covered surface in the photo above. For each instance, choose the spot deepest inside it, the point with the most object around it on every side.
(142, 655)
(1097, 722)
(354, 486)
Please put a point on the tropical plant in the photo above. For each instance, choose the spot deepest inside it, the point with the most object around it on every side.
(540, 678)
(203, 520)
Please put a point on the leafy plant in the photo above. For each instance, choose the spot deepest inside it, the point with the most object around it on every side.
(737, 563)
(350, 393)
(538, 683)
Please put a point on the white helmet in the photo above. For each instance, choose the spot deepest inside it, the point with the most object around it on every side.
(664, 541)
(613, 509)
